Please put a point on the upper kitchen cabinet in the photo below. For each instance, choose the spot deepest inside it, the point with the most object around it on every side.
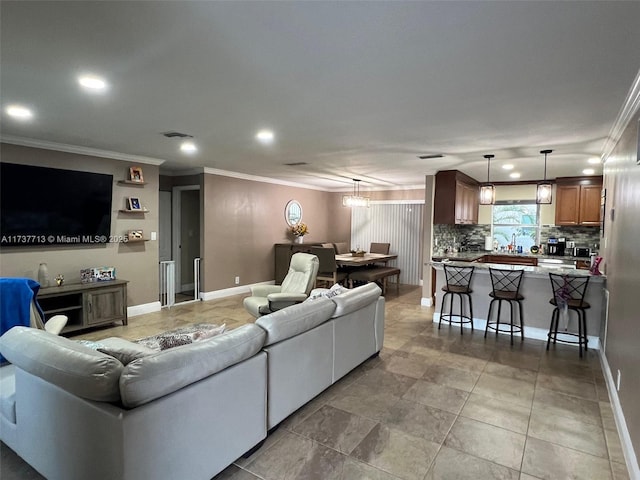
(456, 199)
(578, 200)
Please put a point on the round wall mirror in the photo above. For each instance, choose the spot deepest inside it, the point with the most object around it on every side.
(293, 212)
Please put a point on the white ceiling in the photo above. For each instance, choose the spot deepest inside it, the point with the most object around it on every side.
(355, 89)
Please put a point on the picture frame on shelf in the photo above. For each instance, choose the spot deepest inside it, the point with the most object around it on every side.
(133, 204)
(135, 174)
(134, 235)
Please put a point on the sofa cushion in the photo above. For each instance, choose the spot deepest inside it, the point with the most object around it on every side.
(154, 376)
(355, 299)
(84, 372)
(294, 320)
(124, 350)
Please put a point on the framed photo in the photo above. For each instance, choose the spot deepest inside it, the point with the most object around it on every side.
(135, 174)
(134, 235)
(133, 203)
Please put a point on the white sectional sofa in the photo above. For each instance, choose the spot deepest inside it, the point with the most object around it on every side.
(186, 412)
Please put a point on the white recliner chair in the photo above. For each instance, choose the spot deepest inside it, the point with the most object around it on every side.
(295, 287)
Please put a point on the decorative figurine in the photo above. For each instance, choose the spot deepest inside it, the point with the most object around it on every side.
(59, 279)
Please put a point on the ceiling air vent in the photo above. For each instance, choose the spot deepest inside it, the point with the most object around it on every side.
(176, 135)
(296, 164)
(429, 157)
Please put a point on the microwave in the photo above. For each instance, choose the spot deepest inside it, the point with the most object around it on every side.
(581, 252)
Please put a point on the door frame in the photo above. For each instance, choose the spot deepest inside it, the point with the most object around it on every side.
(176, 224)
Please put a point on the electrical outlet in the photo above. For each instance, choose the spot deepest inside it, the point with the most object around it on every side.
(237, 280)
(618, 381)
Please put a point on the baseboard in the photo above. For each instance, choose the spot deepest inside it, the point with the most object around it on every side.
(529, 332)
(618, 415)
(426, 302)
(142, 309)
(229, 292)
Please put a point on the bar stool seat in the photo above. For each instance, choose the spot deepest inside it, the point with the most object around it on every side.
(569, 291)
(458, 282)
(505, 288)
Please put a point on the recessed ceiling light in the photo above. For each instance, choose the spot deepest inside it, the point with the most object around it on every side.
(588, 171)
(19, 112)
(188, 147)
(594, 161)
(507, 166)
(265, 136)
(92, 83)
(514, 175)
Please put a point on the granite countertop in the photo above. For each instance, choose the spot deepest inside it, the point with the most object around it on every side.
(471, 256)
(528, 269)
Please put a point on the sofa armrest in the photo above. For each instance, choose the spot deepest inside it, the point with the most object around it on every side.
(278, 301)
(265, 290)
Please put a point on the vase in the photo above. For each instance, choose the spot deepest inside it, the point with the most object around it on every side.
(43, 275)
(300, 239)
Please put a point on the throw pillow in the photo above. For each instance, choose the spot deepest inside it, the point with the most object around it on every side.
(170, 341)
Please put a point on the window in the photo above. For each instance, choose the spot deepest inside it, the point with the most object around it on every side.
(519, 219)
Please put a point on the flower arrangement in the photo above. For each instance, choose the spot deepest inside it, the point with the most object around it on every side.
(299, 229)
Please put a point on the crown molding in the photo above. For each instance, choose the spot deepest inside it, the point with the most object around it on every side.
(256, 178)
(625, 115)
(93, 152)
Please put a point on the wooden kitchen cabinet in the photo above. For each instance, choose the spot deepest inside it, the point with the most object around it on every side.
(455, 199)
(578, 201)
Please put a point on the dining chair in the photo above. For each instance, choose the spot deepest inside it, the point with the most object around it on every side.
(327, 270)
(379, 248)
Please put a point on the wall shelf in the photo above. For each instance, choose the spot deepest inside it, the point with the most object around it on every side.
(131, 183)
(133, 211)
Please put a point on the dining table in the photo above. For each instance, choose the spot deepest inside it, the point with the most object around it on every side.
(349, 260)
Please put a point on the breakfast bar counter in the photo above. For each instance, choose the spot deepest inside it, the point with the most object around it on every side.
(537, 291)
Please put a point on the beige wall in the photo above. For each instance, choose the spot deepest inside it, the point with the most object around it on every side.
(519, 192)
(137, 262)
(243, 220)
(622, 183)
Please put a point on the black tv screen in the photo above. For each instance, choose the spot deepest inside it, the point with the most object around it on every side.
(50, 206)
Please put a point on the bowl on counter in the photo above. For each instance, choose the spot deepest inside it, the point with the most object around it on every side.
(534, 249)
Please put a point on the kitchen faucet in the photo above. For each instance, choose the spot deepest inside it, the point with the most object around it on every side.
(513, 243)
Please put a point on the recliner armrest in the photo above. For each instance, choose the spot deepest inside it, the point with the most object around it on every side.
(278, 301)
(265, 290)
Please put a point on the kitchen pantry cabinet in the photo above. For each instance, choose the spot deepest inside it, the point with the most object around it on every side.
(578, 201)
(455, 199)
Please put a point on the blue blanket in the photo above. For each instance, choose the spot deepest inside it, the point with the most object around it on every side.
(16, 295)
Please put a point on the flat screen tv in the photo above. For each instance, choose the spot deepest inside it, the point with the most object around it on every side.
(51, 206)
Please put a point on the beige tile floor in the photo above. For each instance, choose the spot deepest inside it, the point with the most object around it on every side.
(434, 405)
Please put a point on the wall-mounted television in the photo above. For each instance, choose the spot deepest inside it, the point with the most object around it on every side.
(52, 206)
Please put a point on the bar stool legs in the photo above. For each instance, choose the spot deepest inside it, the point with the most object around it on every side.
(513, 327)
(448, 317)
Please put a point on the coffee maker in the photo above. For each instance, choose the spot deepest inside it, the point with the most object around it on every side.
(556, 246)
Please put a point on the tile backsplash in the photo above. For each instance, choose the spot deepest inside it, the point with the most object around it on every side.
(472, 236)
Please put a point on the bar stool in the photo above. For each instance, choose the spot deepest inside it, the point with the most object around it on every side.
(569, 291)
(505, 288)
(458, 282)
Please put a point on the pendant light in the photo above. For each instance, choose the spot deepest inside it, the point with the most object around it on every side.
(487, 190)
(355, 200)
(543, 192)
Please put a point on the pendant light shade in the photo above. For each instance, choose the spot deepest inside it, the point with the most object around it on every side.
(543, 192)
(355, 200)
(488, 190)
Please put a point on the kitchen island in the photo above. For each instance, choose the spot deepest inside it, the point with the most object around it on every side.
(536, 289)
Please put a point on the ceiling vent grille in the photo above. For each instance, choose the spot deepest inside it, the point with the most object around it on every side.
(176, 135)
(296, 164)
(429, 157)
